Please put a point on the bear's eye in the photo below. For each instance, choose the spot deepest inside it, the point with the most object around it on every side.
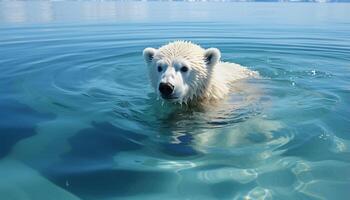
(159, 68)
(184, 69)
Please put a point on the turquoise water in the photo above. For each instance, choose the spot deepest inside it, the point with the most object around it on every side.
(79, 120)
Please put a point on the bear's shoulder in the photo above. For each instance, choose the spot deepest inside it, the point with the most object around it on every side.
(233, 71)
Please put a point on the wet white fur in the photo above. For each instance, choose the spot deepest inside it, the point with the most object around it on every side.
(208, 79)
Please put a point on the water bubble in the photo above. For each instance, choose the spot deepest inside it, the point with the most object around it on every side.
(313, 72)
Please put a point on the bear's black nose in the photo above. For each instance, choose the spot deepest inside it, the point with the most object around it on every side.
(166, 89)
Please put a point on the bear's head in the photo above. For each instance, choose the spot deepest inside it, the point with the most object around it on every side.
(181, 71)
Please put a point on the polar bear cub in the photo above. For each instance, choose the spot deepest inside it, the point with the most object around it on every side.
(183, 72)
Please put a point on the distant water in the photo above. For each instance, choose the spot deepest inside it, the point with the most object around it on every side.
(79, 120)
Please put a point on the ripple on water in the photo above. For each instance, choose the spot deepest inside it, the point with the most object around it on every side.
(282, 137)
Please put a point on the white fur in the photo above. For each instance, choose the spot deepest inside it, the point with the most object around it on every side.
(208, 78)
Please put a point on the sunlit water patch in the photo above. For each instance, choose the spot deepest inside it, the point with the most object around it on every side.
(79, 119)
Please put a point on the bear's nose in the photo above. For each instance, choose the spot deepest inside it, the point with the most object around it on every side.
(166, 88)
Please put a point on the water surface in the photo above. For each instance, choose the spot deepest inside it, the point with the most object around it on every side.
(79, 120)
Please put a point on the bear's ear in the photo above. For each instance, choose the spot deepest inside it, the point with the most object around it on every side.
(148, 54)
(212, 56)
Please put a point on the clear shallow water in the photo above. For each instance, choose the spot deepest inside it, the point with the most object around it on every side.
(78, 119)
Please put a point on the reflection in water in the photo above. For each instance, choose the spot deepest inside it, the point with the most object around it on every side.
(49, 11)
(91, 11)
(26, 12)
(13, 12)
